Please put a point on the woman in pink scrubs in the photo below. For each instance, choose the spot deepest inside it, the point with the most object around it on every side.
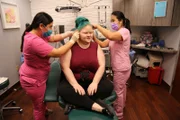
(35, 68)
(119, 45)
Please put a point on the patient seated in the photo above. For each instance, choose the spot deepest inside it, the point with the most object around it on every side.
(84, 82)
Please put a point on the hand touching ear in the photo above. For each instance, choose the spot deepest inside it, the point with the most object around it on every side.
(94, 26)
(75, 36)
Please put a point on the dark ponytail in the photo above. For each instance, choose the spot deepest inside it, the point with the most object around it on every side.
(28, 29)
(40, 17)
(120, 16)
(127, 24)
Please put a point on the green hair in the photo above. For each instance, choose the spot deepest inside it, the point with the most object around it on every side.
(81, 22)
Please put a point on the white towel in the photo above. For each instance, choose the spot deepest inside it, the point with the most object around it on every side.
(142, 61)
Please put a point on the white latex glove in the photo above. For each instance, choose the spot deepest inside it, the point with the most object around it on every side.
(75, 36)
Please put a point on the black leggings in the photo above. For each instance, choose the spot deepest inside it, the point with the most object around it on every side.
(67, 92)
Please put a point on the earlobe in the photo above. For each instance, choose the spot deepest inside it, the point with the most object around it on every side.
(121, 22)
(41, 26)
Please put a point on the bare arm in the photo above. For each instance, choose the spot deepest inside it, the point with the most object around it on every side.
(108, 34)
(101, 61)
(59, 37)
(65, 64)
(99, 73)
(56, 52)
(103, 44)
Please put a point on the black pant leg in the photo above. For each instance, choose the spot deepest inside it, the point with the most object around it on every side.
(105, 88)
(67, 92)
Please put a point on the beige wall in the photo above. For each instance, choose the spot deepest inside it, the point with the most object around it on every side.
(10, 40)
(68, 19)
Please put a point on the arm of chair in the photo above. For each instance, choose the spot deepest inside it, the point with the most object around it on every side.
(51, 84)
(61, 102)
(109, 100)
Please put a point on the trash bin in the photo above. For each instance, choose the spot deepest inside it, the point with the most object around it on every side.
(155, 75)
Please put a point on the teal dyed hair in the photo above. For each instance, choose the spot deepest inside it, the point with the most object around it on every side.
(81, 22)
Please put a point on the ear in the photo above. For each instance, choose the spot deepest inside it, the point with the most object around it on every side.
(41, 26)
(121, 22)
(79, 36)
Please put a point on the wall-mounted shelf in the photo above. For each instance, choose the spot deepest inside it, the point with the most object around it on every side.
(163, 50)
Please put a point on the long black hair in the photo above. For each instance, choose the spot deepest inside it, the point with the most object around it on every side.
(40, 17)
(120, 16)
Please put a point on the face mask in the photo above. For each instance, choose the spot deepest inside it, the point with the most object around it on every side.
(48, 33)
(114, 26)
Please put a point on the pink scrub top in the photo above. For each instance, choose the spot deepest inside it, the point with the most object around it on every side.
(36, 66)
(119, 50)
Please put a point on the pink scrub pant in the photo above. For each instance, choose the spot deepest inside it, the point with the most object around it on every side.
(36, 93)
(120, 79)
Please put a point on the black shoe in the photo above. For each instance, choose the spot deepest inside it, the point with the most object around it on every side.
(68, 109)
(108, 110)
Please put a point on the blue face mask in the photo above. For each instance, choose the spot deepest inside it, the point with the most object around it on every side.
(48, 33)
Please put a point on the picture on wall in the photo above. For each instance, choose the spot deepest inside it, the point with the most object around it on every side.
(10, 15)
